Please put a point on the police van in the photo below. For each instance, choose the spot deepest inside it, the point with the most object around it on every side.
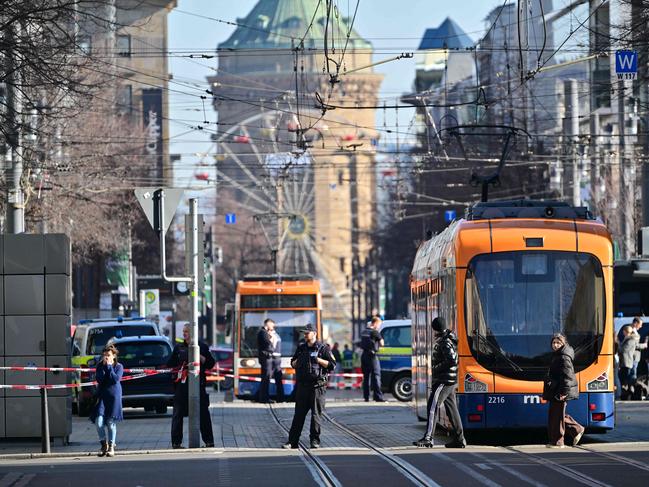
(396, 359)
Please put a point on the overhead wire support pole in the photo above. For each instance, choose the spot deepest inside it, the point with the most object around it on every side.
(14, 162)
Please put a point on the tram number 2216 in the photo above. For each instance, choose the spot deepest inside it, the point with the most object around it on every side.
(496, 399)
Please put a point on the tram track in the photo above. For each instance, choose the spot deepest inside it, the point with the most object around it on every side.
(321, 473)
(561, 469)
(408, 470)
(617, 458)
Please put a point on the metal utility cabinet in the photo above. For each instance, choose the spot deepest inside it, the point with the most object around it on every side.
(35, 314)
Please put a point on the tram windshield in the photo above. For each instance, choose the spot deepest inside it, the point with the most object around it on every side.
(288, 324)
(516, 301)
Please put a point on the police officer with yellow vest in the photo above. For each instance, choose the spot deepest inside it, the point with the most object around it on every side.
(312, 362)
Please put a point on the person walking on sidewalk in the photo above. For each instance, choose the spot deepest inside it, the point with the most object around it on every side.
(107, 411)
(444, 376)
(180, 359)
(560, 385)
(371, 341)
(312, 362)
(269, 353)
(628, 352)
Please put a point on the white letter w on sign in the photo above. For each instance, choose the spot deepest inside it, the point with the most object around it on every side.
(625, 61)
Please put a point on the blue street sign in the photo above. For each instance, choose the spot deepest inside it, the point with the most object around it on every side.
(626, 65)
(449, 215)
(230, 218)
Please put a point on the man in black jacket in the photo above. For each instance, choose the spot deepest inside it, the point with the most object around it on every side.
(269, 353)
(444, 365)
(371, 341)
(312, 362)
(179, 359)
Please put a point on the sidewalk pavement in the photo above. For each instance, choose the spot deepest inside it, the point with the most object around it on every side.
(248, 425)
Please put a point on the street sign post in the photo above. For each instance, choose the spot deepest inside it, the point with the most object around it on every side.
(626, 65)
(147, 196)
(159, 211)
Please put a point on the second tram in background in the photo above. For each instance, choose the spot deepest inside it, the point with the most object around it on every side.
(291, 302)
(506, 279)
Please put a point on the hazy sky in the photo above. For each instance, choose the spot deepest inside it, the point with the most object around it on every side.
(398, 25)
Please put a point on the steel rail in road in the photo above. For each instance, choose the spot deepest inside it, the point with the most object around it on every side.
(561, 469)
(617, 458)
(320, 472)
(408, 470)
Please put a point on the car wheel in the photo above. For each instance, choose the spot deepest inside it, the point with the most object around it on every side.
(402, 388)
(161, 409)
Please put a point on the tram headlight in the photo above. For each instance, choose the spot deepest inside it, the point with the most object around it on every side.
(247, 362)
(599, 384)
(471, 384)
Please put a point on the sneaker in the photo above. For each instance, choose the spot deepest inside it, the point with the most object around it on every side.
(209, 445)
(456, 443)
(288, 446)
(424, 443)
(177, 446)
(315, 444)
(578, 437)
(552, 445)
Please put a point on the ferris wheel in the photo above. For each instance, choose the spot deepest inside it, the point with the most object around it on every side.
(260, 172)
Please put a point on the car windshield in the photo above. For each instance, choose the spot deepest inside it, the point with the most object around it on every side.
(98, 337)
(141, 354)
(516, 301)
(397, 336)
(288, 325)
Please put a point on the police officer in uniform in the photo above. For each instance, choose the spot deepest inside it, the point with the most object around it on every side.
(312, 362)
(371, 341)
(444, 375)
(269, 345)
(179, 359)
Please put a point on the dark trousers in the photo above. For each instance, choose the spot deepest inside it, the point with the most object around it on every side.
(443, 394)
(271, 368)
(181, 410)
(307, 398)
(371, 373)
(627, 381)
(561, 425)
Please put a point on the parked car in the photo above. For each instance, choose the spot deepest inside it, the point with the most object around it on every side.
(396, 358)
(224, 357)
(90, 338)
(154, 392)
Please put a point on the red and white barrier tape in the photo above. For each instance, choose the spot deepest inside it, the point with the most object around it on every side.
(30, 387)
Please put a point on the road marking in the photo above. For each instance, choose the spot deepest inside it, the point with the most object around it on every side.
(561, 469)
(24, 480)
(9, 479)
(483, 466)
(511, 471)
(471, 472)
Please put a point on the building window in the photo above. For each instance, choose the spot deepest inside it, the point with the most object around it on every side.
(342, 264)
(84, 44)
(123, 45)
(124, 100)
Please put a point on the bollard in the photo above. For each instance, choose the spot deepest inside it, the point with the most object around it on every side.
(45, 423)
